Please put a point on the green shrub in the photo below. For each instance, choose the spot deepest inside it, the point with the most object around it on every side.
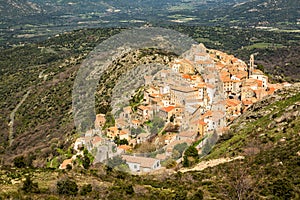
(198, 195)
(86, 189)
(19, 162)
(190, 157)
(29, 186)
(67, 187)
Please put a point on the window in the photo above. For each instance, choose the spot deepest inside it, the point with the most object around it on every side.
(135, 166)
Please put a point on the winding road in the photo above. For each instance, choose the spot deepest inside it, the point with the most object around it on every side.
(12, 118)
(211, 163)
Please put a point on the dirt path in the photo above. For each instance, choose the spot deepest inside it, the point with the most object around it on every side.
(211, 163)
(12, 118)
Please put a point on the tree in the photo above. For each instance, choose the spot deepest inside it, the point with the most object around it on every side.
(117, 163)
(86, 189)
(172, 118)
(69, 167)
(157, 124)
(86, 162)
(136, 131)
(210, 142)
(238, 183)
(19, 162)
(181, 193)
(178, 150)
(118, 142)
(87, 159)
(170, 163)
(110, 120)
(282, 188)
(190, 157)
(29, 186)
(67, 187)
(124, 142)
(198, 195)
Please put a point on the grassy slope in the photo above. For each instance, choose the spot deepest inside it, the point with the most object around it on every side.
(258, 128)
(270, 169)
(42, 124)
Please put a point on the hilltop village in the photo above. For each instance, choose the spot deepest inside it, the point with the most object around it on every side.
(197, 96)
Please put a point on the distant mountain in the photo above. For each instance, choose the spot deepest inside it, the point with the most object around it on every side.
(17, 8)
(263, 13)
(25, 20)
(266, 136)
(234, 12)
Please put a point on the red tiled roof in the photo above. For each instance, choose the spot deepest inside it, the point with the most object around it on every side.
(167, 109)
(201, 85)
(259, 83)
(113, 128)
(96, 140)
(127, 109)
(186, 76)
(232, 102)
(185, 61)
(247, 102)
(143, 107)
(125, 147)
(205, 62)
(123, 132)
(136, 121)
(200, 121)
(208, 114)
(65, 163)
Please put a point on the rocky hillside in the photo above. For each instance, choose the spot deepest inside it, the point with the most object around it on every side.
(270, 13)
(43, 121)
(272, 122)
(267, 137)
(44, 73)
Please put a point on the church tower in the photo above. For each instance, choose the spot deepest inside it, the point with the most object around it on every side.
(251, 65)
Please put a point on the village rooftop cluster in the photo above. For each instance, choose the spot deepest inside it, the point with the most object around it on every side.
(188, 105)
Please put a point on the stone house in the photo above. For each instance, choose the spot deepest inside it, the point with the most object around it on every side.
(166, 113)
(144, 112)
(112, 132)
(187, 135)
(142, 137)
(199, 126)
(100, 121)
(141, 164)
(180, 93)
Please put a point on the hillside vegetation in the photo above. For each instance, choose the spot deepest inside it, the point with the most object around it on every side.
(267, 135)
(47, 69)
(31, 20)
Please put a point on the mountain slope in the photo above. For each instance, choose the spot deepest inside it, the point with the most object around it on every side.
(47, 69)
(265, 13)
(267, 136)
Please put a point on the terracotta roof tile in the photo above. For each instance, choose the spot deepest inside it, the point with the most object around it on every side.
(167, 109)
(125, 147)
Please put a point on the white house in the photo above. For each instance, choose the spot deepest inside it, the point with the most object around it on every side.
(141, 164)
(164, 89)
(211, 89)
(262, 78)
(80, 142)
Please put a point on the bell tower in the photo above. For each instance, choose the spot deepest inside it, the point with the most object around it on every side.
(251, 65)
